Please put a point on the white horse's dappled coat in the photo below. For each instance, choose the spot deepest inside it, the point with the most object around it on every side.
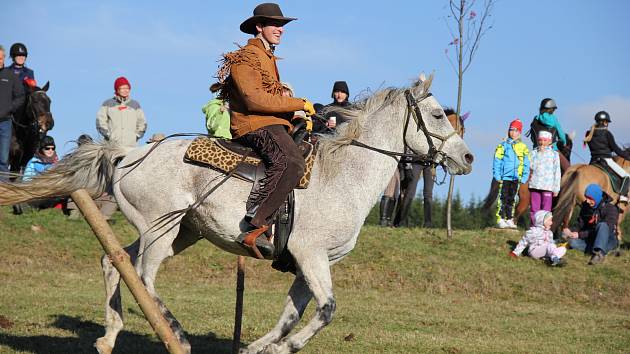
(345, 184)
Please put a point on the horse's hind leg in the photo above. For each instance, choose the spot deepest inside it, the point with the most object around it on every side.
(297, 300)
(113, 305)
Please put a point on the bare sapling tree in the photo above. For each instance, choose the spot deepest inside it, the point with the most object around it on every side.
(467, 27)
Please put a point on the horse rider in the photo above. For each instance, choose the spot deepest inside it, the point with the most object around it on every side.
(547, 120)
(602, 144)
(11, 100)
(18, 54)
(260, 118)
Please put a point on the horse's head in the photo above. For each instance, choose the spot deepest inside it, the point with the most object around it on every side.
(449, 148)
(38, 109)
(456, 121)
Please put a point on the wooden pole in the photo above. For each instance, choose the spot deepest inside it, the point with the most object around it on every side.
(121, 260)
(238, 316)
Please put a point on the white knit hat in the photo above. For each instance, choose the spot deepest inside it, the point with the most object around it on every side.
(543, 134)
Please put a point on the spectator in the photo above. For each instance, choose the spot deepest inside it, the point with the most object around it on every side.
(120, 119)
(544, 183)
(340, 94)
(11, 100)
(510, 167)
(44, 158)
(539, 239)
(596, 232)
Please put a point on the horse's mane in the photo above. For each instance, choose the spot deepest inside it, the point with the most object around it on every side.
(331, 154)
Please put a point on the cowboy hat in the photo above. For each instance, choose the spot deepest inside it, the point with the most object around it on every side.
(262, 12)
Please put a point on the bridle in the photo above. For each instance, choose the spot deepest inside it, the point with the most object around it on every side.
(34, 124)
(435, 156)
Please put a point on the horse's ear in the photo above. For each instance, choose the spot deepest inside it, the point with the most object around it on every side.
(422, 77)
(45, 88)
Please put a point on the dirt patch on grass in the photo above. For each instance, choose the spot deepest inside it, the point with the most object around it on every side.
(5, 323)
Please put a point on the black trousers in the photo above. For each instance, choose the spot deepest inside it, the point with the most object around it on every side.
(284, 165)
(506, 198)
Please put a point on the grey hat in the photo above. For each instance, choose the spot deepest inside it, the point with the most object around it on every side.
(548, 103)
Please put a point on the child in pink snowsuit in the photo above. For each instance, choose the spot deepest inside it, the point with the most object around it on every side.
(539, 238)
(544, 182)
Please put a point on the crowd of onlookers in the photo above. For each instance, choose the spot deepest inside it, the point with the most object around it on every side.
(121, 119)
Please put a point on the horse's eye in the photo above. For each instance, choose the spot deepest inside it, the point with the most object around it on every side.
(437, 113)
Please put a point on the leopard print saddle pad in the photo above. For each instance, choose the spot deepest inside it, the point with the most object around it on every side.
(224, 156)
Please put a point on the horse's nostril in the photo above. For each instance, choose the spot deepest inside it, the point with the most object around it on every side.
(469, 158)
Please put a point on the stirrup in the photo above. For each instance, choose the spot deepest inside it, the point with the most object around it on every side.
(250, 240)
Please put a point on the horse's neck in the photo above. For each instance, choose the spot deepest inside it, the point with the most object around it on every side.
(365, 173)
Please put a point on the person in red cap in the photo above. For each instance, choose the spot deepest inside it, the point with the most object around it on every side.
(510, 167)
(121, 119)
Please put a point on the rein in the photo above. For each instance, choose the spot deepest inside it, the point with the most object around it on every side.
(435, 156)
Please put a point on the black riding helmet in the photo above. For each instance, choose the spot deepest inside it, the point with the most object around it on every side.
(548, 103)
(46, 141)
(18, 49)
(602, 116)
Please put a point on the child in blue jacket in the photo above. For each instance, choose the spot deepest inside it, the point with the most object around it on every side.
(510, 167)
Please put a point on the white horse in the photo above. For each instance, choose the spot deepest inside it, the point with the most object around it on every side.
(346, 182)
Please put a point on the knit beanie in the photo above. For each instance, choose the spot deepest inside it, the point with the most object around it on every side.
(594, 192)
(121, 81)
(516, 123)
(543, 134)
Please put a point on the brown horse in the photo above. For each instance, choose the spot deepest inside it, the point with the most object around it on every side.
(572, 188)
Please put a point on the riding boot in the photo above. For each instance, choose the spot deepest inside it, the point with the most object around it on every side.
(390, 211)
(383, 210)
(428, 215)
(254, 243)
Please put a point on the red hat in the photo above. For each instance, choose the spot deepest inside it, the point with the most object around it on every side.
(516, 123)
(121, 81)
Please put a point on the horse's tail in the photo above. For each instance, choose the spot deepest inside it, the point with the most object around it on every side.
(90, 167)
(567, 198)
(493, 193)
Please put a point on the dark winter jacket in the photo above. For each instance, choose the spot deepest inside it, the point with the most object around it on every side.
(602, 145)
(22, 72)
(590, 217)
(11, 93)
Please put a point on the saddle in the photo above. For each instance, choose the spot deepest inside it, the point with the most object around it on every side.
(226, 155)
(619, 184)
(242, 162)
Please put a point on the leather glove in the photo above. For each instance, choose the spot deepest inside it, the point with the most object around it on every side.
(308, 107)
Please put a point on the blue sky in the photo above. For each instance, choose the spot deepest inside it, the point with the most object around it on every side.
(573, 51)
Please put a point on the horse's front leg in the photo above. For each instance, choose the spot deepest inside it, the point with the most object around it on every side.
(315, 268)
(297, 300)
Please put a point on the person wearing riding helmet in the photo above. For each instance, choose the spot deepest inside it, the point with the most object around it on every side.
(11, 100)
(45, 157)
(549, 122)
(18, 54)
(602, 144)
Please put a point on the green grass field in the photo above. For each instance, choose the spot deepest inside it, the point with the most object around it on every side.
(399, 291)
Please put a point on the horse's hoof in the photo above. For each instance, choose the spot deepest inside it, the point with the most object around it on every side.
(102, 347)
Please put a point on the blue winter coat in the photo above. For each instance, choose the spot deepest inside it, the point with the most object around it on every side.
(35, 167)
(511, 161)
